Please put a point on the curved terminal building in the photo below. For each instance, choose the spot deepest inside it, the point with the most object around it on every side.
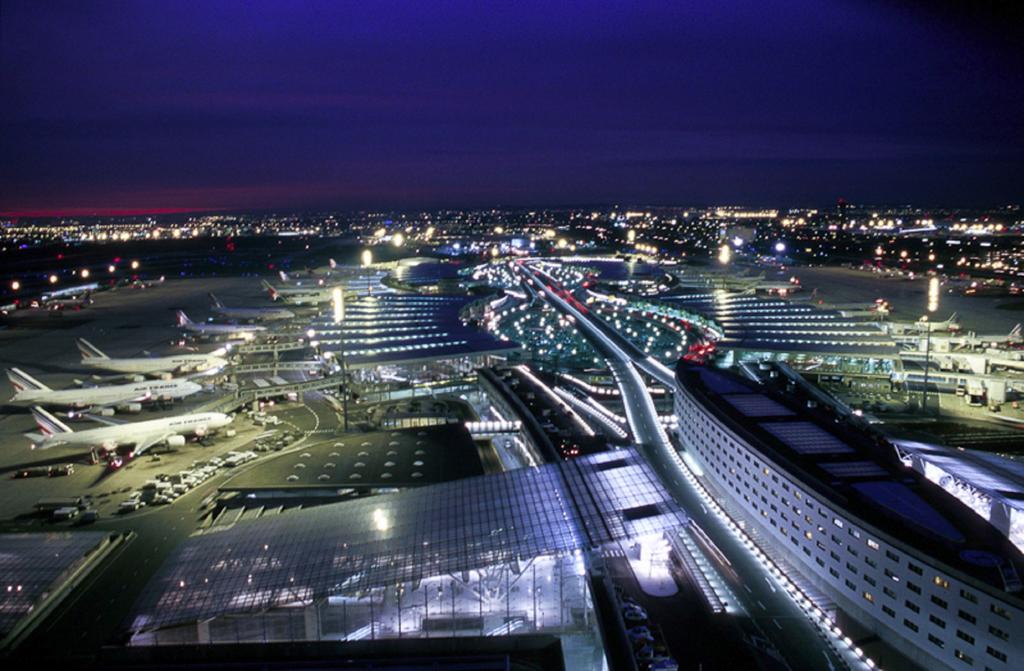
(893, 551)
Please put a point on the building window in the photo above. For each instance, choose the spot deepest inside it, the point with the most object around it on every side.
(889, 593)
(965, 636)
(936, 640)
(998, 654)
(939, 622)
(1000, 611)
(964, 615)
(913, 588)
(851, 585)
(909, 625)
(915, 568)
(998, 633)
(941, 603)
(912, 606)
(941, 582)
(873, 544)
(888, 611)
(968, 596)
(892, 555)
(869, 597)
(963, 657)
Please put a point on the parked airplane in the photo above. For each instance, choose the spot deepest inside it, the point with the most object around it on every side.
(972, 339)
(30, 391)
(118, 440)
(157, 365)
(312, 295)
(908, 328)
(311, 275)
(255, 313)
(208, 329)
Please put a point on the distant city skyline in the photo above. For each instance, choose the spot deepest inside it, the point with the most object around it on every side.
(157, 108)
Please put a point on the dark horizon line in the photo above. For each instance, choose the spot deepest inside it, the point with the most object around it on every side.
(87, 213)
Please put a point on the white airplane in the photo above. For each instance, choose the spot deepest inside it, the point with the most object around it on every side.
(312, 295)
(260, 313)
(311, 275)
(972, 339)
(30, 391)
(157, 365)
(115, 436)
(951, 325)
(207, 329)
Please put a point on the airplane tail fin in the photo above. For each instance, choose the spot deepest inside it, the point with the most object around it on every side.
(183, 319)
(216, 301)
(38, 439)
(283, 275)
(273, 292)
(90, 351)
(49, 425)
(954, 318)
(21, 381)
(334, 264)
(1016, 331)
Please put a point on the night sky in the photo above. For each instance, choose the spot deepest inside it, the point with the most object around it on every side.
(160, 106)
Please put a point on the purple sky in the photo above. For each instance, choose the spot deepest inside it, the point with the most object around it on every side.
(146, 106)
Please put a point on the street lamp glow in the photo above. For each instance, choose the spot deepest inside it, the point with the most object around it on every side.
(780, 247)
(724, 254)
(367, 258)
(135, 265)
(53, 279)
(631, 236)
(85, 273)
(15, 285)
(398, 239)
(111, 268)
(494, 251)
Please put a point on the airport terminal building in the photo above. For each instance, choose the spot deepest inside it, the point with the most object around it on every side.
(889, 548)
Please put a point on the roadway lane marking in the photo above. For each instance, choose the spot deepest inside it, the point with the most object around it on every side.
(763, 607)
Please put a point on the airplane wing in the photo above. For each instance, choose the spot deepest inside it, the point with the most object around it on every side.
(149, 441)
(109, 421)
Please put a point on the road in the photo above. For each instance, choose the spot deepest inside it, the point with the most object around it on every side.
(780, 619)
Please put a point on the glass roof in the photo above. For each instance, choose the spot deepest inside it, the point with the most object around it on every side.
(344, 547)
(31, 563)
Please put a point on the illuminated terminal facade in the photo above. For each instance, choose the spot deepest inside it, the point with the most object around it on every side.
(891, 549)
(495, 555)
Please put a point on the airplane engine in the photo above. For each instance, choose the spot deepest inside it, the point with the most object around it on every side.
(133, 407)
(106, 412)
(176, 441)
(166, 376)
